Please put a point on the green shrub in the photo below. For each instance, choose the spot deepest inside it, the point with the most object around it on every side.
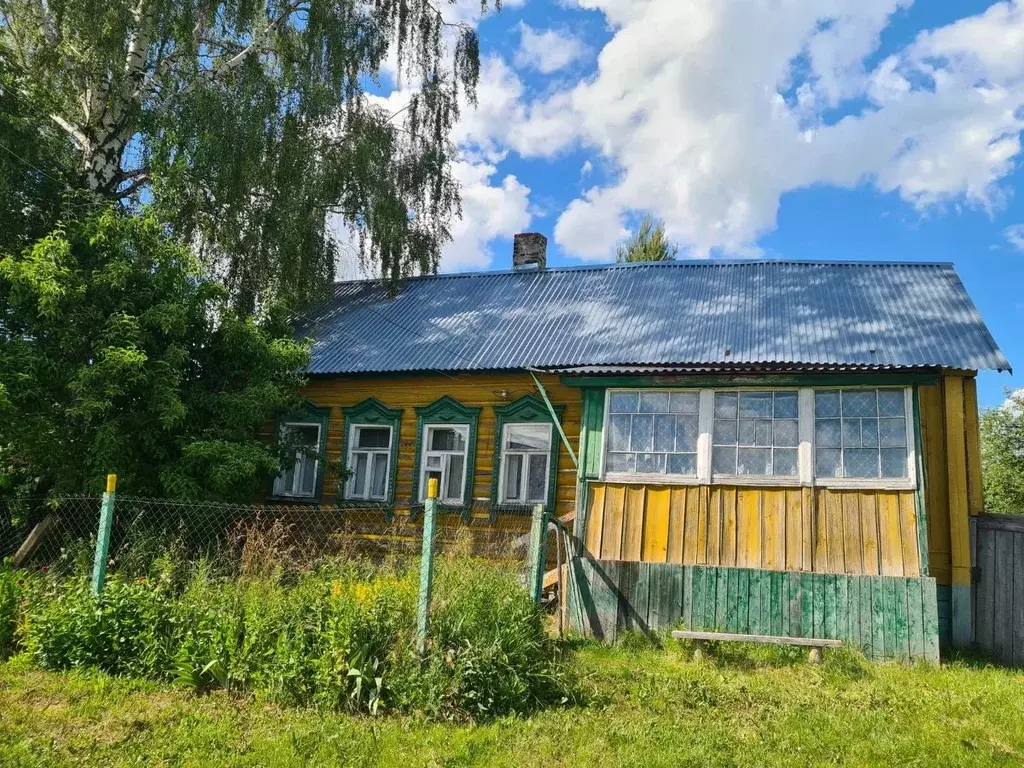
(10, 602)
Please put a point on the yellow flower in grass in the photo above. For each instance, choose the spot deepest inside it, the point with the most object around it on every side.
(363, 593)
(336, 589)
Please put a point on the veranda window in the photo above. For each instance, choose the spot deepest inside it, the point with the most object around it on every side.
(444, 458)
(369, 461)
(525, 463)
(756, 433)
(861, 433)
(300, 478)
(652, 433)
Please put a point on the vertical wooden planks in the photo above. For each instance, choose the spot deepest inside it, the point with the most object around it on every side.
(889, 528)
(748, 527)
(656, 525)
(869, 532)
(933, 437)
(729, 529)
(830, 619)
(795, 532)
(930, 620)
(1017, 658)
(714, 540)
(985, 594)
(611, 536)
(915, 619)
(633, 522)
(773, 509)
(678, 532)
(901, 620)
(956, 463)
(908, 534)
(853, 548)
(808, 501)
(595, 520)
(834, 520)
(975, 500)
(1002, 567)
(696, 511)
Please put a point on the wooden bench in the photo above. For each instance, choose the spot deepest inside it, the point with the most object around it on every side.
(814, 643)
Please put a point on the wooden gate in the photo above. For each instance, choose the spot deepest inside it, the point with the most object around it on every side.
(999, 587)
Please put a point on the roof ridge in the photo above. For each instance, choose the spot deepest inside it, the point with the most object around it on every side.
(674, 263)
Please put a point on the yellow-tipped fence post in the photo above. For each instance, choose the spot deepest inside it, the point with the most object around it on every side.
(426, 567)
(536, 559)
(99, 564)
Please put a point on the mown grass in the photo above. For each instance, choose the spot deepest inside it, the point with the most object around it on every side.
(643, 706)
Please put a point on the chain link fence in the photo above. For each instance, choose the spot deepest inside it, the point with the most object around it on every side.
(61, 532)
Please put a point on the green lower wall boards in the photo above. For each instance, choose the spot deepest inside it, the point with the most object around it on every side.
(887, 617)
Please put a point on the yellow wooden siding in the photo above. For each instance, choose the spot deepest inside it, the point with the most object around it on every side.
(853, 531)
(936, 496)
(407, 393)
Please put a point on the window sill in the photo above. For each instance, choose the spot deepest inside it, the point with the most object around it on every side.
(290, 499)
(864, 484)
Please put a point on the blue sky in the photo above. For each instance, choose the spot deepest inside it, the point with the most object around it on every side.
(829, 129)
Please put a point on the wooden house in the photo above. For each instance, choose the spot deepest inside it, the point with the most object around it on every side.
(773, 447)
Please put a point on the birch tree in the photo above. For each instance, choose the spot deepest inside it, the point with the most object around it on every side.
(248, 124)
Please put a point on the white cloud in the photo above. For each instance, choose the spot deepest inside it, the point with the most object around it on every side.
(711, 110)
(548, 50)
(489, 211)
(1014, 235)
(593, 224)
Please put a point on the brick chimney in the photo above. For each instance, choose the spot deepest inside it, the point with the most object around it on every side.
(529, 250)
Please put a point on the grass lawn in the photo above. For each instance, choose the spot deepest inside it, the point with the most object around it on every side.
(644, 707)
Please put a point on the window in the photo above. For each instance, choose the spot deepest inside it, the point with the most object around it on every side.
(444, 458)
(861, 433)
(369, 460)
(756, 433)
(525, 453)
(652, 432)
(300, 479)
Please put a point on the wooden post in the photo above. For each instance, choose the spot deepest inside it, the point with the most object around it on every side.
(99, 565)
(535, 567)
(426, 567)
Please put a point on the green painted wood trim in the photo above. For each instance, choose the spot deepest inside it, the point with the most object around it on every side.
(886, 617)
(447, 410)
(590, 434)
(922, 484)
(373, 412)
(306, 413)
(556, 415)
(426, 577)
(526, 410)
(99, 565)
(894, 379)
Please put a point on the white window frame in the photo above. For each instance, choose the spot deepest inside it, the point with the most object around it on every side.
(805, 450)
(300, 456)
(371, 452)
(523, 480)
(666, 479)
(464, 430)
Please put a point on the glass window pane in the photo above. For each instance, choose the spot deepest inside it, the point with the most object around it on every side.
(433, 462)
(455, 471)
(650, 463)
(890, 402)
(685, 402)
(664, 432)
(786, 405)
(894, 462)
(826, 404)
(787, 433)
(536, 477)
(828, 462)
(762, 433)
(723, 460)
(859, 403)
(682, 464)
(285, 481)
(869, 433)
(618, 432)
(755, 405)
(860, 462)
(826, 433)
(754, 461)
(623, 402)
(308, 480)
(306, 435)
(513, 476)
(359, 476)
(686, 433)
(785, 462)
(378, 489)
(528, 437)
(373, 437)
(653, 402)
(446, 439)
(851, 433)
(725, 405)
(641, 433)
(620, 462)
(725, 432)
(745, 434)
(892, 433)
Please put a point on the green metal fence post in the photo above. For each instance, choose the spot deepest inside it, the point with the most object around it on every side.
(99, 565)
(426, 567)
(535, 574)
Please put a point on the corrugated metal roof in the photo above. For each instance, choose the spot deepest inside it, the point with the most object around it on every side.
(872, 314)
